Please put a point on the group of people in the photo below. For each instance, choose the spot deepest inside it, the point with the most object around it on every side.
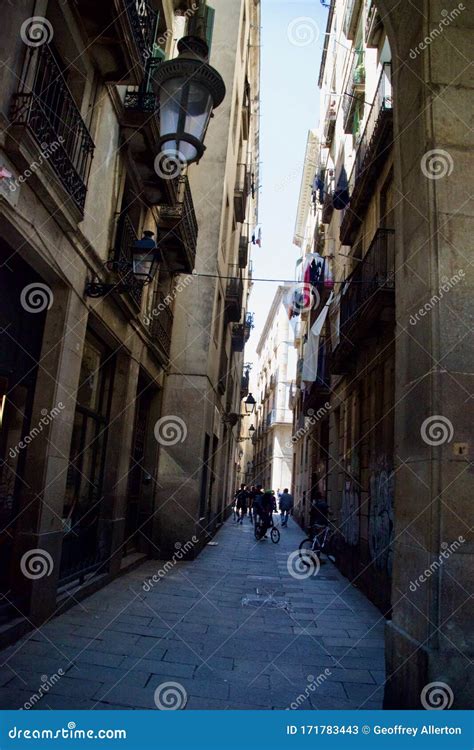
(258, 502)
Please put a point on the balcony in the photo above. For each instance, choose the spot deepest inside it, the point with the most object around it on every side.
(354, 91)
(223, 371)
(320, 390)
(162, 324)
(351, 17)
(244, 386)
(374, 147)
(178, 228)
(368, 304)
(125, 238)
(328, 207)
(373, 26)
(241, 192)
(243, 251)
(329, 123)
(142, 19)
(234, 296)
(238, 337)
(120, 36)
(47, 125)
(248, 325)
(279, 416)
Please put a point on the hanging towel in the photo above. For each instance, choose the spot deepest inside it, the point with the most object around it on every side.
(341, 196)
(311, 352)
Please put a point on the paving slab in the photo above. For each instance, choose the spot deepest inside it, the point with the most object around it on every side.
(236, 628)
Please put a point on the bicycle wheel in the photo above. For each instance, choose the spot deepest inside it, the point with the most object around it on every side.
(307, 552)
(275, 535)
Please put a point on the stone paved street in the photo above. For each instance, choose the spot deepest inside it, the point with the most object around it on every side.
(233, 628)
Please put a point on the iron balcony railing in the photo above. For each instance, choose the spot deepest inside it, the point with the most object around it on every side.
(241, 192)
(370, 152)
(162, 323)
(376, 271)
(234, 295)
(354, 88)
(45, 106)
(125, 238)
(243, 251)
(381, 103)
(143, 21)
(142, 98)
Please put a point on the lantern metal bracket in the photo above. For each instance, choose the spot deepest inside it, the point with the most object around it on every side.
(97, 288)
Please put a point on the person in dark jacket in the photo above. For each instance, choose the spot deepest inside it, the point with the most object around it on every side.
(242, 503)
(286, 506)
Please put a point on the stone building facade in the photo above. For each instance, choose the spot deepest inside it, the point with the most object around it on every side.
(391, 453)
(85, 397)
(272, 447)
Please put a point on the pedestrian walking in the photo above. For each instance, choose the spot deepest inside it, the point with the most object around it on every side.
(286, 506)
(251, 496)
(242, 503)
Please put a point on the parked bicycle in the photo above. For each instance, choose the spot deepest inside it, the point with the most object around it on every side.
(323, 539)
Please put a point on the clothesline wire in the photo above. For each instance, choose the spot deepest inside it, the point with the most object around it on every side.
(275, 281)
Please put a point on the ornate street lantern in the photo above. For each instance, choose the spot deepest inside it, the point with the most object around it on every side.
(188, 89)
(145, 258)
(250, 404)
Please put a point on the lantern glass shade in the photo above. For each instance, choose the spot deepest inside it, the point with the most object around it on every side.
(185, 110)
(145, 257)
(250, 404)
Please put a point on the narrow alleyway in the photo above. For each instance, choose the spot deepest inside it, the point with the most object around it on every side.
(233, 628)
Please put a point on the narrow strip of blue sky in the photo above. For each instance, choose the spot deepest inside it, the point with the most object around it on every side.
(292, 41)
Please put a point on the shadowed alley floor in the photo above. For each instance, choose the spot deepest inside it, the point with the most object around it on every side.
(233, 629)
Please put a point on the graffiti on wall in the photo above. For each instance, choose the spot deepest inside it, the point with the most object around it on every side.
(381, 517)
(350, 512)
